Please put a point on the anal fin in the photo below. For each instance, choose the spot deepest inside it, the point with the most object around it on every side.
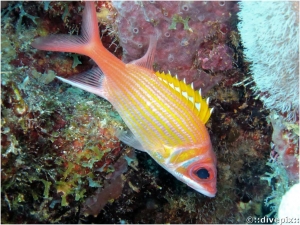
(91, 81)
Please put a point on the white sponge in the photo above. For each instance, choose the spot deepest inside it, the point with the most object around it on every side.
(270, 35)
(290, 206)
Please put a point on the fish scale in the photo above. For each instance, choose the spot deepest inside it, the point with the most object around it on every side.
(158, 105)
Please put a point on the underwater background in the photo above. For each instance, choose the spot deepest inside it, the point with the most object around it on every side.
(60, 159)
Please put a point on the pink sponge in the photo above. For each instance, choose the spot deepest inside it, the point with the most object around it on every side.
(191, 37)
(217, 59)
(287, 146)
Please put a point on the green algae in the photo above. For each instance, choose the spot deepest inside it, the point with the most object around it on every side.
(80, 194)
(76, 61)
(93, 183)
(47, 185)
(69, 169)
(178, 19)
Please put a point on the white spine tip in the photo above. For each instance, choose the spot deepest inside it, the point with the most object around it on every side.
(200, 92)
(192, 85)
(211, 111)
(207, 101)
(176, 76)
(184, 80)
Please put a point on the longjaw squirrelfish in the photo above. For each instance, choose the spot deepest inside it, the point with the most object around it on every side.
(166, 117)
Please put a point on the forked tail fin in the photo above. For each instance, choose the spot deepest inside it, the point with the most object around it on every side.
(89, 38)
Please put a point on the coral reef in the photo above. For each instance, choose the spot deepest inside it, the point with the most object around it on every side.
(193, 37)
(94, 204)
(59, 155)
(53, 154)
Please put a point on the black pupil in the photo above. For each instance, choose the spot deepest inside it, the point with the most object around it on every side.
(203, 173)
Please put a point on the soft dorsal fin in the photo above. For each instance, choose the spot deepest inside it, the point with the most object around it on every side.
(187, 92)
(147, 60)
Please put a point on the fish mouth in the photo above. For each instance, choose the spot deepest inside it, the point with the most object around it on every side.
(208, 194)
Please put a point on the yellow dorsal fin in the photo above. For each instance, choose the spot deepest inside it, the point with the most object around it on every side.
(187, 93)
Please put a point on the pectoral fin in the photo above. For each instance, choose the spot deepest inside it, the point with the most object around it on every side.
(128, 138)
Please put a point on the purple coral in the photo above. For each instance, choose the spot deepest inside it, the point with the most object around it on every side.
(183, 29)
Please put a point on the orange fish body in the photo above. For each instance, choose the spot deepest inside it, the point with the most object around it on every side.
(165, 116)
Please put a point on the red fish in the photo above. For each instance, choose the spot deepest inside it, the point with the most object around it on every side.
(166, 117)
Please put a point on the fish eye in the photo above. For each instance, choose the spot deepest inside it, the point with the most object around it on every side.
(202, 173)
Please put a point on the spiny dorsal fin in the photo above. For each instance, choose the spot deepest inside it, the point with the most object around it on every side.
(187, 92)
